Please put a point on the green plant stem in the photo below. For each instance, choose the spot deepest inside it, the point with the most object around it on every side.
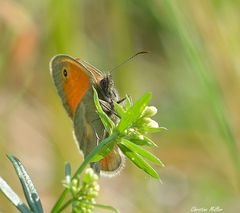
(87, 160)
(65, 205)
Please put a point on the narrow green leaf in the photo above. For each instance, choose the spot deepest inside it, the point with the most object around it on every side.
(104, 151)
(140, 142)
(13, 197)
(107, 122)
(23, 208)
(152, 130)
(119, 109)
(29, 190)
(133, 113)
(128, 102)
(149, 141)
(106, 207)
(138, 161)
(68, 172)
(140, 139)
(139, 150)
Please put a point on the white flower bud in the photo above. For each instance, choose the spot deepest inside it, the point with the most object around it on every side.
(153, 124)
(89, 171)
(140, 137)
(149, 111)
(150, 123)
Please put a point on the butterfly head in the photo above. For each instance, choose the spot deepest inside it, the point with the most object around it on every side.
(107, 89)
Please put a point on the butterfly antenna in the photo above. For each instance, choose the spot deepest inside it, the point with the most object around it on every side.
(128, 59)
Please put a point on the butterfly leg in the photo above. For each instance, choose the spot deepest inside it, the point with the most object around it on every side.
(121, 100)
(108, 108)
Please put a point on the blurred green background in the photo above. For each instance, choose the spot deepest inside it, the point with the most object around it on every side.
(193, 71)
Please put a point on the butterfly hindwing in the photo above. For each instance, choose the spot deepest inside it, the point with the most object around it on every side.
(87, 125)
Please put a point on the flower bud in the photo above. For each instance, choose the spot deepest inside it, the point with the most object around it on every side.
(150, 123)
(149, 111)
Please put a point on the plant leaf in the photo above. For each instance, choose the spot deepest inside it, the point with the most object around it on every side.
(128, 102)
(142, 142)
(28, 188)
(138, 161)
(152, 130)
(107, 207)
(13, 197)
(133, 113)
(68, 173)
(104, 151)
(139, 150)
(119, 109)
(107, 122)
(149, 141)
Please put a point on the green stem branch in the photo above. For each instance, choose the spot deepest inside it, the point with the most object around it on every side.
(65, 205)
(56, 208)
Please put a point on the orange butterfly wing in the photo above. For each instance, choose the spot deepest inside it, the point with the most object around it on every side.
(71, 79)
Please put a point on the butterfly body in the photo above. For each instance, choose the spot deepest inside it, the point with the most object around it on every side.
(74, 79)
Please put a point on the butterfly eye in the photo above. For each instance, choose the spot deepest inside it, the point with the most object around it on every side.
(65, 73)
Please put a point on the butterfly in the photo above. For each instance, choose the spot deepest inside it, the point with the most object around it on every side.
(73, 79)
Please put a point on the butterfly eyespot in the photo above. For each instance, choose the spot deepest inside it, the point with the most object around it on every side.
(65, 73)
